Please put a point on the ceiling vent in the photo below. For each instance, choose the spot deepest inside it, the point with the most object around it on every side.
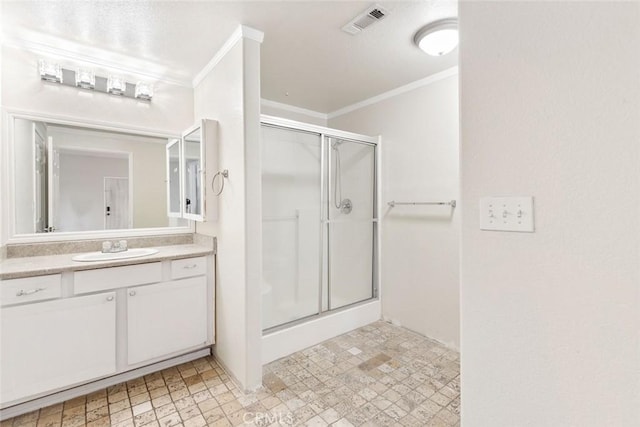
(370, 16)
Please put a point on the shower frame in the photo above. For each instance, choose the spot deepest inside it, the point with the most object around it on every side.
(325, 134)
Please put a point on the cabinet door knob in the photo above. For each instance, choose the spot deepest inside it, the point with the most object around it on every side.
(109, 298)
(190, 266)
(132, 293)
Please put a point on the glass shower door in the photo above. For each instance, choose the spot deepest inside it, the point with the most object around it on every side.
(291, 208)
(352, 221)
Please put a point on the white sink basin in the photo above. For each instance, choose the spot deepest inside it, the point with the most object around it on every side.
(101, 256)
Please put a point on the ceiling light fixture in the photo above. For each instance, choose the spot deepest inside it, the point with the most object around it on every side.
(439, 37)
(86, 78)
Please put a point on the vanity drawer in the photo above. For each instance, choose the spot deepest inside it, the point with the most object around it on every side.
(117, 277)
(15, 291)
(188, 267)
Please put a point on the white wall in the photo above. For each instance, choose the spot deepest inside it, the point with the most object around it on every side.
(81, 203)
(550, 107)
(420, 255)
(253, 221)
(230, 94)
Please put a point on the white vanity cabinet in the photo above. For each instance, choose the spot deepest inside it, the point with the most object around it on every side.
(81, 331)
(165, 318)
(53, 344)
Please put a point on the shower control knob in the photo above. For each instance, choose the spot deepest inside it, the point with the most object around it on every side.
(346, 206)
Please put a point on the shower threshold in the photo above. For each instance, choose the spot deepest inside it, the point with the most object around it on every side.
(315, 316)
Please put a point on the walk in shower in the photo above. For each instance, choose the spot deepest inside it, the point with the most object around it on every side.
(319, 221)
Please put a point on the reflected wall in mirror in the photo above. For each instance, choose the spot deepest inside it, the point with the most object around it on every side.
(174, 176)
(193, 155)
(70, 179)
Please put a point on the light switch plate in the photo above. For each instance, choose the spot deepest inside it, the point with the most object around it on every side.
(507, 214)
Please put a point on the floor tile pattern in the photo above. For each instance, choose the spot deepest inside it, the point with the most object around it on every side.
(378, 375)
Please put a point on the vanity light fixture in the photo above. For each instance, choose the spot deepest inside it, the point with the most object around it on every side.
(116, 85)
(144, 91)
(50, 71)
(439, 37)
(85, 78)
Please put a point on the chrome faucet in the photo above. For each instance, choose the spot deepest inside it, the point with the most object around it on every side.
(114, 247)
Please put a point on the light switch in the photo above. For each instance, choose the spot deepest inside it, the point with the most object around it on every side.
(507, 214)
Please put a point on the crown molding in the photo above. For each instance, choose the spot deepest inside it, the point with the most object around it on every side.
(113, 62)
(251, 33)
(293, 109)
(449, 72)
(242, 31)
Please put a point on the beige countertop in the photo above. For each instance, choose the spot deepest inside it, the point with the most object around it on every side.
(14, 268)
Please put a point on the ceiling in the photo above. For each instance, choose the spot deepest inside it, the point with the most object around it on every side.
(307, 61)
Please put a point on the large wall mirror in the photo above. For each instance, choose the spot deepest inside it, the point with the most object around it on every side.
(79, 179)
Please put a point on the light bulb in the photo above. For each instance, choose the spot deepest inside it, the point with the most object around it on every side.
(116, 85)
(144, 91)
(85, 78)
(50, 71)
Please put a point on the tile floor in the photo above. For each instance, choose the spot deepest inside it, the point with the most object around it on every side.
(378, 375)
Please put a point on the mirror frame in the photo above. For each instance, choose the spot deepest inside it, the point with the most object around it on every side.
(202, 125)
(8, 225)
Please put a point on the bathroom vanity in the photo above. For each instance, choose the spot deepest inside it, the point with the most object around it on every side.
(66, 324)
(73, 321)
